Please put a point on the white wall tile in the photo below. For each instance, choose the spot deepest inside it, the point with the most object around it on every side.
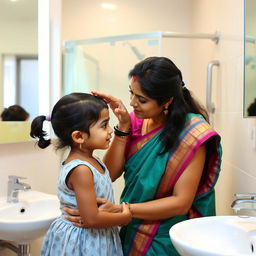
(239, 157)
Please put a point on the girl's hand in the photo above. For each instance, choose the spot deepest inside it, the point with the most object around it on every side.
(117, 107)
(107, 206)
(126, 211)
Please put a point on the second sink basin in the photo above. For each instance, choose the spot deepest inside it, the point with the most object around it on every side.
(215, 236)
(28, 219)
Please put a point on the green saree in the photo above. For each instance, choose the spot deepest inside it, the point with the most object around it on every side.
(149, 176)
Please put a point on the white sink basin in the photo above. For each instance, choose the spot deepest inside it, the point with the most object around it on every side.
(215, 236)
(28, 219)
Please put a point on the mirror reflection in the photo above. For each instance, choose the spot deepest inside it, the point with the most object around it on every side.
(250, 59)
(18, 57)
(14, 113)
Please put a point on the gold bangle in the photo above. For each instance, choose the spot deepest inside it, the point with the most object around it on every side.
(129, 206)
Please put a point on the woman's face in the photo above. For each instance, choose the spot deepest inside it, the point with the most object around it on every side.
(143, 106)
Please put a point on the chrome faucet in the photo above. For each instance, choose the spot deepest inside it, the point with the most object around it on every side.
(14, 185)
(244, 202)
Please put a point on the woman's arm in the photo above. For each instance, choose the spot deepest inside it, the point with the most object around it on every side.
(114, 157)
(178, 204)
(183, 194)
(81, 181)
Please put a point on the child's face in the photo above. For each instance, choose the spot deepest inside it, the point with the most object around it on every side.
(100, 132)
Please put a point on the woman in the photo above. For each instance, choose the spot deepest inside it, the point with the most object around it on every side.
(169, 154)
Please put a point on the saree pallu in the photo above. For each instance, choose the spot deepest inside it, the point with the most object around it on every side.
(149, 175)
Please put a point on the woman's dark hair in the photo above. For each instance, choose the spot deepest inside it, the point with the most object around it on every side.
(14, 113)
(160, 79)
(73, 112)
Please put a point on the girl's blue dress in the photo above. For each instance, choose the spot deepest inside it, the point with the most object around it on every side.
(65, 239)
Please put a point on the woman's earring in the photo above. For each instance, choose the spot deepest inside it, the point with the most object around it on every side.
(80, 146)
(166, 110)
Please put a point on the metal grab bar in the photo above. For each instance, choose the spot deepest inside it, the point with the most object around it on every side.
(250, 39)
(251, 196)
(209, 104)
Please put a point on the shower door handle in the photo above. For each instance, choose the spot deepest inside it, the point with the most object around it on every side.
(209, 104)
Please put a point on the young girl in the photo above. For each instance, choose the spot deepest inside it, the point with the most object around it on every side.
(81, 122)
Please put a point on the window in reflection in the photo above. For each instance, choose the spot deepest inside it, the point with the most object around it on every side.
(21, 83)
(250, 60)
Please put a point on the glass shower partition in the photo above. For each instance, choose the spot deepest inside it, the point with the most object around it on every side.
(103, 63)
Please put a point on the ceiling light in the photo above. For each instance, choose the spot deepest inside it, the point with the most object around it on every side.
(108, 6)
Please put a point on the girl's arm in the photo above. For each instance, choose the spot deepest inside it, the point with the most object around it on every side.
(81, 181)
(114, 157)
(178, 204)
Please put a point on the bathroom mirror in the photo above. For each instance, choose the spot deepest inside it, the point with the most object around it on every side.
(250, 59)
(18, 56)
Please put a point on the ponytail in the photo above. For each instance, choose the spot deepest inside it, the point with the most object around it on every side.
(193, 105)
(176, 117)
(37, 132)
(175, 122)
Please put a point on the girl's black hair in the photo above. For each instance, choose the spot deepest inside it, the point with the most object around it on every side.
(160, 79)
(73, 112)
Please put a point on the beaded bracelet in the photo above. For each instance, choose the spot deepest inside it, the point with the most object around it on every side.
(120, 133)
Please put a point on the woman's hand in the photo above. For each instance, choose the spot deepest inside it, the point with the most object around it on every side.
(74, 217)
(117, 107)
(103, 205)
